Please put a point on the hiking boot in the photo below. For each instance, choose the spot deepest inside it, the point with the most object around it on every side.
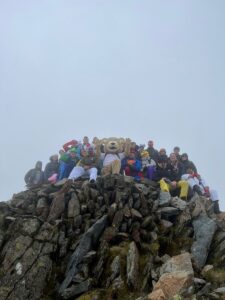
(197, 189)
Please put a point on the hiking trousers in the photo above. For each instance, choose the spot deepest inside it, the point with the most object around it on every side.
(182, 184)
(79, 171)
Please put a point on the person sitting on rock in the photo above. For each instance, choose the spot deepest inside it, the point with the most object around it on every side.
(162, 152)
(187, 163)
(67, 162)
(86, 145)
(86, 166)
(199, 185)
(148, 164)
(164, 175)
(131, 165)
(176, 167)
(35, 177)
(52, 169)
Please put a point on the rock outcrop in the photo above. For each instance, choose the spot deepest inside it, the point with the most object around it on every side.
(115, 239)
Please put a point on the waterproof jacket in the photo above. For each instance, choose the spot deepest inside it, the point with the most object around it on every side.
(188, 164)
(175, 171)
(34, 177)
(154, 154)
(160, 173)
(51, 168)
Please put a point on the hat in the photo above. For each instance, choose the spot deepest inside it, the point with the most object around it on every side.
(73, 150)
(162, 158)
(144, 153)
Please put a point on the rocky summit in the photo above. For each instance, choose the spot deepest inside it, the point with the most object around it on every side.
(114, 239)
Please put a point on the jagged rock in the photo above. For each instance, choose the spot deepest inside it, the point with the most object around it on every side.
(30, 226)
(166, 224)
(164, 198)
(42, 207)
(58, 203)
(205, 290)
(35, 252)
(199, 281)
(173, 283)
(168, 212)
(89, 239)
(206, 269)
(204, 229)
(73, 206)
(77, 289)
(178, 203)
(118, 218)
(177, 263)
(157, 295)
(220, 290)
(132, 266)
(135, 214)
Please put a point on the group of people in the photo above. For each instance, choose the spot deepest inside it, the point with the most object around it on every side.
(77, 159)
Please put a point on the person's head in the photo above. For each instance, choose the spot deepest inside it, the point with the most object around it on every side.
(38, 165)
(73, 153)
(162, 151)
(61, 151)
(176, 150)
(90, 151)
(132, 154)
(150, 144)
(85, 140)
(84, 152)
(95, 140)
(162, 161)
(184, 157)
(54, 158)
(173, 157)
(189, 170)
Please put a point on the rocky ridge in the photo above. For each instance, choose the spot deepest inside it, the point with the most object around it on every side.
(116, 239)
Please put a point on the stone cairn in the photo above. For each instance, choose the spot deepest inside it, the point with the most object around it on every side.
(115, 239)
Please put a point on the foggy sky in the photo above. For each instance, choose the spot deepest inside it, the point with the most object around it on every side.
(138, 69)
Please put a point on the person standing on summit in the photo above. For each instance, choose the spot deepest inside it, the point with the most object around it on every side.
(154, 154)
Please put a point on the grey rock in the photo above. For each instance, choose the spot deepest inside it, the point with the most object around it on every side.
(168, 212)
(30, 226)
(77, 289)
(177, 263)
(164, 198)
(73, 206)
(89, 239)
(136, 215)
(147, 222)
(204, 229)
(220, 290)
(178, 203)
(132, 266)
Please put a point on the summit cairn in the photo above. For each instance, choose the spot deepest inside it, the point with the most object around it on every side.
(115, 239)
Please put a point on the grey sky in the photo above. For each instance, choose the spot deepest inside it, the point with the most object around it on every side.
(138, 69)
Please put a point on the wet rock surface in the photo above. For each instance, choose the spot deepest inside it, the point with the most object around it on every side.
(116, 239)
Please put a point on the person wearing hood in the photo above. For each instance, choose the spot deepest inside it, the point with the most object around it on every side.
(52, 169)
(35, 177)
